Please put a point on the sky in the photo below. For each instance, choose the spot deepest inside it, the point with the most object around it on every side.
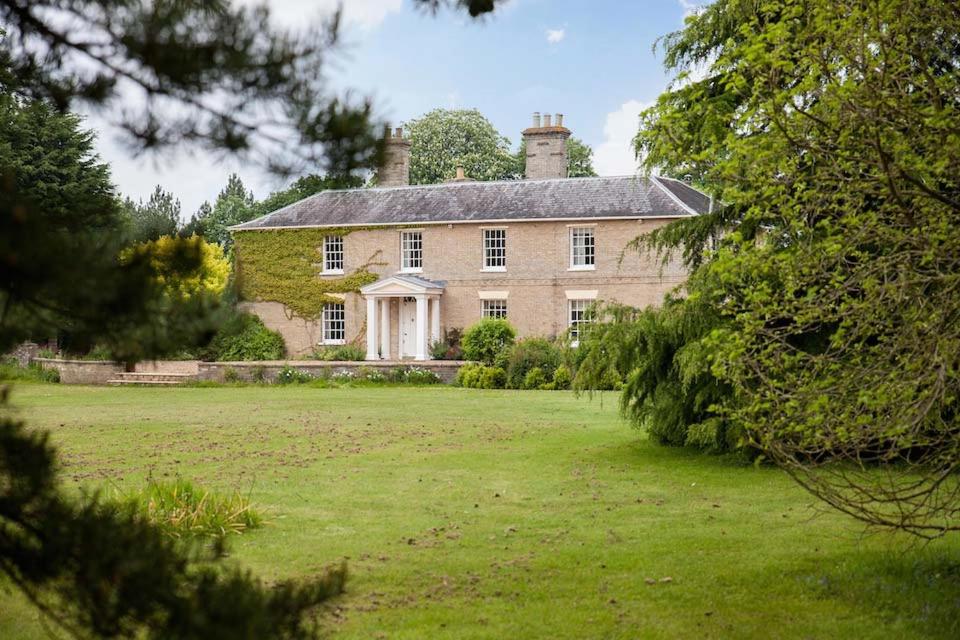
(592, 61)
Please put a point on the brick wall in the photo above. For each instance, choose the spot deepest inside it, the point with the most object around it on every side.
(537, 277)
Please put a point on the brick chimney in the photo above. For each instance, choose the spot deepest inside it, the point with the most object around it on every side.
(395, 171)
(546, 148)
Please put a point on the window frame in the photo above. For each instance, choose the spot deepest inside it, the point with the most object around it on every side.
(585, 231)
(327, 252)
(582, 307)
(487, 303)
(403, 251)
(328, 317)
(488, 249)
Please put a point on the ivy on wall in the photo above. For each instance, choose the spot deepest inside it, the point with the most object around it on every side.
(283, 265)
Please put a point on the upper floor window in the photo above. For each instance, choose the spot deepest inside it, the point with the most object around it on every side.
(411, 251)
(582, 248)
(334, 323)
(495, 249)
(578, 314)
(494, 309)
(333, 254)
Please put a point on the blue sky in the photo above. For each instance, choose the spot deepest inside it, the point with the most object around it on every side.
(591, 60)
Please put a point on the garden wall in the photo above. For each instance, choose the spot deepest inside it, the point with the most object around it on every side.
(82, 371)
(267, 370)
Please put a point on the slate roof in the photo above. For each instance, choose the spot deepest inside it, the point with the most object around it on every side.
(574, 198)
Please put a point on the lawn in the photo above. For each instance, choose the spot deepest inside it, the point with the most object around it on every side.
(495, 514)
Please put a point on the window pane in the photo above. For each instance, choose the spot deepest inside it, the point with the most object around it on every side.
(411, 248)
(333, 253)
(578, 315)
(494, 308)
(334, 325)
(582, 247)
(495, 248)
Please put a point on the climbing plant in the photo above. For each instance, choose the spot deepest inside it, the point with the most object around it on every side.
(283, 265)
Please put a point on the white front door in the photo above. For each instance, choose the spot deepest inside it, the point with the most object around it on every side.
(408, 328)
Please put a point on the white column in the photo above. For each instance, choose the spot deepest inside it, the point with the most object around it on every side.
(434, 320)
(421, 328)
(385, 328)
(372, 329)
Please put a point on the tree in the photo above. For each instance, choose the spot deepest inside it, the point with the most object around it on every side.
(233, 205)
(444, 139)
(831, 127)
(579, 159)
(158, 217)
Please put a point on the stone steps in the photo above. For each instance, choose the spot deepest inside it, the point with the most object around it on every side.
(131, 378)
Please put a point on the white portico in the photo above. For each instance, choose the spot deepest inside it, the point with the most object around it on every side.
(418, 303)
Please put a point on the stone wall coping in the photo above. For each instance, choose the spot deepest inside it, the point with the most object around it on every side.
(67, 361)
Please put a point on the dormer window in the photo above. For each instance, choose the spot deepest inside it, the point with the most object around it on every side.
(411, 251)
(333, 255)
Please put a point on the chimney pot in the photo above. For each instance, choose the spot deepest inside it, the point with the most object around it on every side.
(399, 132)
(546, 119)
(536, 119)
(559, 119)
(386, 131)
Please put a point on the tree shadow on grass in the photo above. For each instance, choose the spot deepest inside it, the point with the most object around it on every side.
(917, 588)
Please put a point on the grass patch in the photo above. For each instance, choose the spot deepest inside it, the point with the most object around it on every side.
(491, 514)
(10, 371)
(184, 511)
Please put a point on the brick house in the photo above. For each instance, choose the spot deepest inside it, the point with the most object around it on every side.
(536, 251)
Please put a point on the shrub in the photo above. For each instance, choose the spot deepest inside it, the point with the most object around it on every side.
(340, 353)
(243, 336)
(231, 375)
(258, 373)
(492, 378)
(528, 354)
(534, 379)
(33, 372)
(448, 348)
(486, 339)
(562, 378)
(468, 375)
(289, 375)
(181, 510)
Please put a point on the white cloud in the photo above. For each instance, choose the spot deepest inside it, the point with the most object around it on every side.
(690, 8)
(364, 13)
(556, 35)
(615, 155)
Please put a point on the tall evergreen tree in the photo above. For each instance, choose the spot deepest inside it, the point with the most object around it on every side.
(157, 217)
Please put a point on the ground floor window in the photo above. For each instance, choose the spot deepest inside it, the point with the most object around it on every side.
(494, 308)
(334, 323)
(577, 316)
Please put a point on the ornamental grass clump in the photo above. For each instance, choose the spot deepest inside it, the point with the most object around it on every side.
(184, 511)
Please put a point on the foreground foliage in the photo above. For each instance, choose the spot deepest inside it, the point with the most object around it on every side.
(831, 127)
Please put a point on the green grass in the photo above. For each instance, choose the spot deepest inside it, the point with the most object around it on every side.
(493, 514)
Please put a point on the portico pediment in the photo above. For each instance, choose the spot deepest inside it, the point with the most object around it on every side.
(402, 285)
